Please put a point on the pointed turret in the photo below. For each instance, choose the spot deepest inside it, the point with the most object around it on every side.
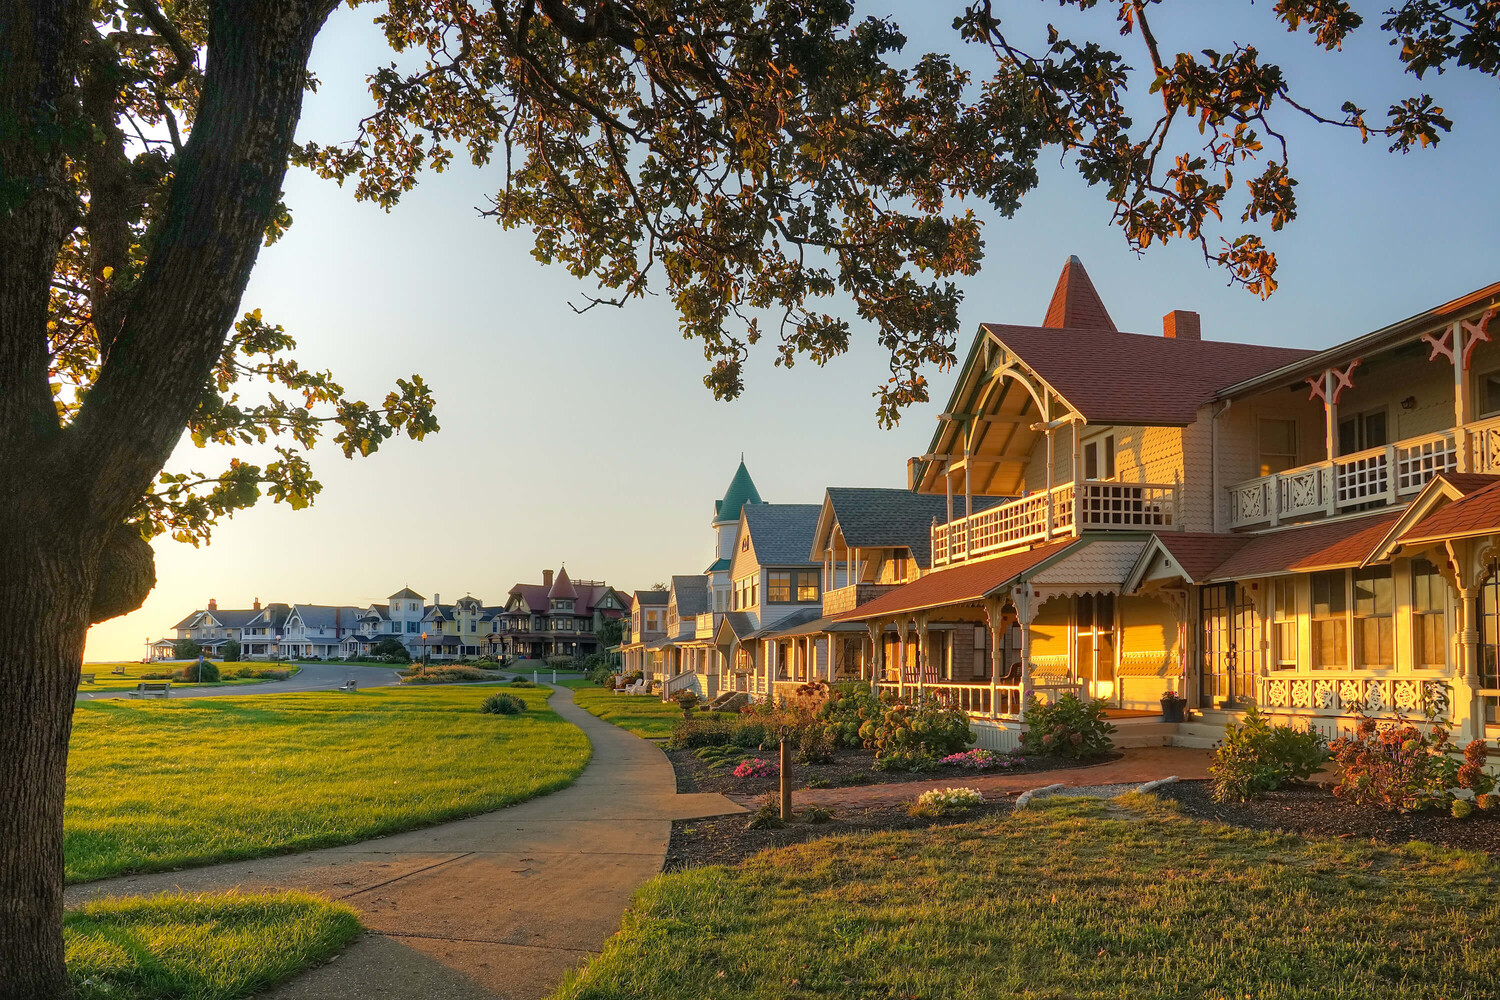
(562, 588)
(1075, 304)
(741, 491)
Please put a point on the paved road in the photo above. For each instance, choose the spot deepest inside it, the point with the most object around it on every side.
(500, 905)
(312, 677)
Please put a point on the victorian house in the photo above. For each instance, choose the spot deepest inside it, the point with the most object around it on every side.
(557, 617)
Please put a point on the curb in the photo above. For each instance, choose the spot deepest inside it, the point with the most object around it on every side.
(1152, 786)
(1025, 798)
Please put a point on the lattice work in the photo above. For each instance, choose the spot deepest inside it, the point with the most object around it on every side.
(1366, 477)
(1352, 696)
(1418, 462)
(1118, 505)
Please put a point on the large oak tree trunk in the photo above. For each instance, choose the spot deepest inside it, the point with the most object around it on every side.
(46, 588)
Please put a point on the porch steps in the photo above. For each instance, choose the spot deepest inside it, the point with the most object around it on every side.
(729, 701)
(1144, 732)
(1202, 732)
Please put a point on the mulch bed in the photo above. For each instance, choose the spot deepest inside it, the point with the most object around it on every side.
(1312, 810)
(728, 840)
(849, 767)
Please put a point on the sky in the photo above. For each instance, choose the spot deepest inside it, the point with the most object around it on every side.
(590, 440)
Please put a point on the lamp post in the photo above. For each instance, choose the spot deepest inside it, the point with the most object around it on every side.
(276, 647)
(424, 654)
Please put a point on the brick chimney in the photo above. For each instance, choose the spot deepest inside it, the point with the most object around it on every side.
(1181, 324)
(213, 605)
(256, 605)
(547, 578)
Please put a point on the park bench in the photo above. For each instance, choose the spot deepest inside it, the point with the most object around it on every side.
(119, 670)
(85, 678)
(348, 685)
(152, 689)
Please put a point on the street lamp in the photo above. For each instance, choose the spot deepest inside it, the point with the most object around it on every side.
(276, 645)
(424, 654)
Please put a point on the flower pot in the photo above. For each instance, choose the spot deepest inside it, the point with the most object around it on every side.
(1173, 709)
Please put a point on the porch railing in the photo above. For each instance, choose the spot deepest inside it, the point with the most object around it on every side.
(1388, 474)
(1060, 512)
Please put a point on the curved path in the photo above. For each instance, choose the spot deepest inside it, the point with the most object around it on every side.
(499, 905)
(312, 677)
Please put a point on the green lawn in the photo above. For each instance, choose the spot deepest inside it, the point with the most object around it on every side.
(106, 680)
(643, 714)
(155, 785)
(220, 947)
(1124, 900)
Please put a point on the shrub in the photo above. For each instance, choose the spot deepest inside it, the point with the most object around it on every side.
(390, 650)
(918, 731)
(1256, 757)
(602, 675)
(691, 733)
(816, 814)
(272, 675)
(767, 815)
(848, 706)
(1461, 808)
(500, 703)
(1489, 801)
(559, 662)
(1403, 767)
(914, 761)
(816, 744)
(755, 767)
(818, 783)
(748, 734)
(156, 675)
(206, 671)
(443, 675)
(981, 760)
(231, 651)
(521, 682)
(1066, 728)
(186, 649)
(946, 802)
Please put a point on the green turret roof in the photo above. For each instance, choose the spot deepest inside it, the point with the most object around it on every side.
(741, 491)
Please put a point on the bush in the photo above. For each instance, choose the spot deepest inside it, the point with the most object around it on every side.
(156, 675)
(748, 733)
(272, 675)
(981, 760)
(207, 672)
(692, 733)
(560, 662)
(1256, 757)
(946, 802)
(231, 651)
(1066, 728)
(186, 649)
(500, 703)
(816, 744)
(756, 767)
(521, 682)
(913, 761)
(816, 814)
(767, 816)
(443, 675)
(918, 732)
(1404, 768)
(848, 706)
(390, 650)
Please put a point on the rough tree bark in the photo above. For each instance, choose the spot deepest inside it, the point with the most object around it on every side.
(65, 491)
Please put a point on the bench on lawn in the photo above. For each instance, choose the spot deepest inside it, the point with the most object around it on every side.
(152, 689)
(119, 670)
(348, 685)
(85, 678)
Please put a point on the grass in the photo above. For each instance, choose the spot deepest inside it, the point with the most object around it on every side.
(643, 714)
(220, 947)
(163, 784)
(104, 680)
(1074, 898)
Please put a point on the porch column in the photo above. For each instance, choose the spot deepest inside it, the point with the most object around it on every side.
(995, 620)
(948, 486)
(877, 653)
(1094, 648)
(968, 493)
(1026, 609)
(1463, 410)
(924, 653)
(901, 626)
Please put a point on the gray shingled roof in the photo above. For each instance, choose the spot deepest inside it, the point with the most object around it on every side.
(692, 594)
(740, 623)
(651, 596)
(782, 533)
(325, 616)
(787, 623)
(884, 518)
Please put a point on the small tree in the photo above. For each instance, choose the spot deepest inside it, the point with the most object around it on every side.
(232, 651)
(610, 631)
(391, 650)
(186, 649)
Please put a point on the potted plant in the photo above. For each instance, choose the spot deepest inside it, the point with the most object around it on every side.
(687, 700)
(1173, 707)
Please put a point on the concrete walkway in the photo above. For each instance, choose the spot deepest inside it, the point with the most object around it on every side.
(499, 905)
(312, 677)
(1138, 765)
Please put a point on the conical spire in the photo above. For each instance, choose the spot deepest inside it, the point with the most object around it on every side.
(1075, 304)
(741, 491)
(562, 587)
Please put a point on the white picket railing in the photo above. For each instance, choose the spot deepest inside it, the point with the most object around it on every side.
(1056, 513)
(1388, 474)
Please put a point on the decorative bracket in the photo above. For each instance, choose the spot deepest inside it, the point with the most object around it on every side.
(1441, 344)
(1477, 333)
(1343, 380)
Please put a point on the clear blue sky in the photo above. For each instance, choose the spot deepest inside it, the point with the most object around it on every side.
(591, 439)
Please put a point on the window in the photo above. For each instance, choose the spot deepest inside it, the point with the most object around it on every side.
(1429, 618)
(1374, 601)
(411, 626)
(1284, 622)
(1489, 393)
(1330, 621)
(1361, 431)
(1099, 458)
(1278, 445)
(898, 569)
(807, 586)
(778, 587)
(473, 626)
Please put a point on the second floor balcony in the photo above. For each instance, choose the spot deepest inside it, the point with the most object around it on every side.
(1386, 475)
(1061, 512)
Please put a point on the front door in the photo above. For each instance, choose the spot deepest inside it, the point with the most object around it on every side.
(1228, 638)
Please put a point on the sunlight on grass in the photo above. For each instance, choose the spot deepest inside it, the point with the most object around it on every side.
(156, 785)
(105, 679)
(643, 714)
(1075, 898)
(212, 947)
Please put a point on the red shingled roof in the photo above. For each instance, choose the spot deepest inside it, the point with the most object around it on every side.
(1075, 302)
(1198, 553)
(959, 585)
(1324, 545)
(1477, 513)
(1131, 378)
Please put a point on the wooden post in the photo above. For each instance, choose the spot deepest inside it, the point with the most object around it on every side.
(786, 779)
(995, 620)
(924, 654)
